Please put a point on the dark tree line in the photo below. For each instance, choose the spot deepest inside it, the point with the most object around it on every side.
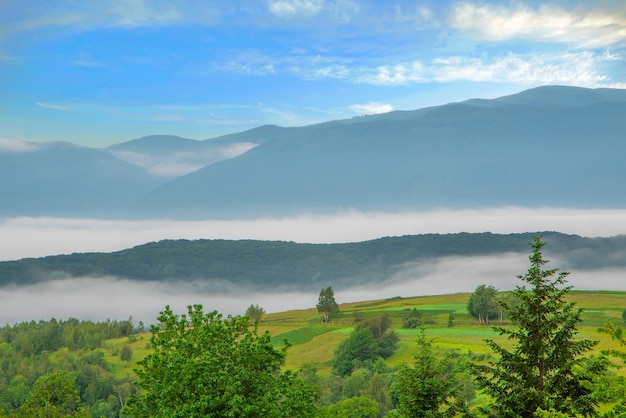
(265, 264)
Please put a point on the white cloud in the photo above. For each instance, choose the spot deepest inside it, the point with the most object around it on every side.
(52, 106)
(295, 8)
(181, 163)
(89, 298)
(547, 22)
(36, 237)
(17, 145)
(568, 68)
(399, 74)
(372, 108)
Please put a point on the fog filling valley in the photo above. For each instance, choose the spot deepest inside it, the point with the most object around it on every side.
(101, 298)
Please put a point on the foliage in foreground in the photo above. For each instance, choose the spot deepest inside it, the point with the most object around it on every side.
(204, 365)
(54, 395)
(370, 340)
(544, 368)
(426, 388)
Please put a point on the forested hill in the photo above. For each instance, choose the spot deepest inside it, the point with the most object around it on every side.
(269, 264)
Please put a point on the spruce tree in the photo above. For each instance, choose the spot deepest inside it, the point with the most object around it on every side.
(427, 388)
(542, 369)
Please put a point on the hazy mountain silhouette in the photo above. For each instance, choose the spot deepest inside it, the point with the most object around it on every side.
(173, 156)
(548, 146)
(62, 179)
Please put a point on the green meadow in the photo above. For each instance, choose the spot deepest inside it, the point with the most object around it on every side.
(315, 342)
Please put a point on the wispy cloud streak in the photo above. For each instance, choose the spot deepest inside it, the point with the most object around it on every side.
(52, 106)
(579, 27)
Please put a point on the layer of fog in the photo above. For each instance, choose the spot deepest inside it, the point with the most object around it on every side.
(35, 237)
(174, 164)
(102, 298)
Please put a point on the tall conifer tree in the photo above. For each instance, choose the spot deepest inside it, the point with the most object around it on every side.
(541, 370)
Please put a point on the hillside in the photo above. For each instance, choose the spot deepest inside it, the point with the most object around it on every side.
(269, 265)
(544, 147)
(94, 351)
(62, 179)
(548, 146)
(315, 342)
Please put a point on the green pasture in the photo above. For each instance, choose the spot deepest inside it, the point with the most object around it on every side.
(140, 346)
(315, 342)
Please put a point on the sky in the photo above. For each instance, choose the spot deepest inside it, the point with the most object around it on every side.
(102, 72)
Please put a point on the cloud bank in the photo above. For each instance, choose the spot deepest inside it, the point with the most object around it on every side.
(582, 28)
(37, 237)
(90, 298)
(17, 145)
(372, 108)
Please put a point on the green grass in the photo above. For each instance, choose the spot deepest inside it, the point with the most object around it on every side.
(302, 335)
(315, 342)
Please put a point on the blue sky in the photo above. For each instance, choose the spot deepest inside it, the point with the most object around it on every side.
(102, 72)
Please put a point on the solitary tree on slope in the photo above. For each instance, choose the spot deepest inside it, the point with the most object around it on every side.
(326, 303)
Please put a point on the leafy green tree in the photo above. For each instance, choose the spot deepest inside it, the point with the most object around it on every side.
(357, 383)
(204, 365)
(360, 346)
(102, 409)
(540, 371)
(378, 390)
(482, 304)
(425, 389)
(412, 319)
(386, 338)
(126, 354)
(616, 333)
(624, 315)
(326, 303)
(255, 312)
(16, 392)
(355, 407)
(53, 395)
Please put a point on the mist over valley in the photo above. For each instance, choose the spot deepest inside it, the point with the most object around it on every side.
(545, 159)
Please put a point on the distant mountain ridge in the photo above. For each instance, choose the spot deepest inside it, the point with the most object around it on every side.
(272, 265)
(456, 155)
(548, 146)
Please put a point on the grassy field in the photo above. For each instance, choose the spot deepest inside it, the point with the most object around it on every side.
(313, 341)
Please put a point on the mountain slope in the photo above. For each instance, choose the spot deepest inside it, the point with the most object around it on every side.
(61, 179)
(548, 146)
(552, 146)
(173, 156)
